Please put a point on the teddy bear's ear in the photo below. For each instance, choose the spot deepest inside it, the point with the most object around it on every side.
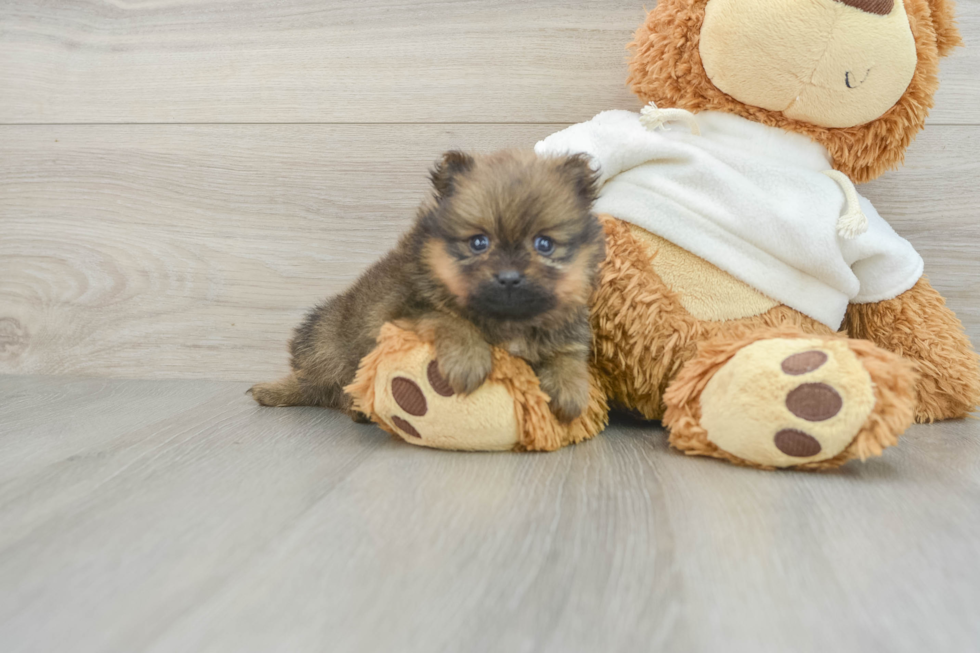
(577, 168)
(444, 173)
(944, 22)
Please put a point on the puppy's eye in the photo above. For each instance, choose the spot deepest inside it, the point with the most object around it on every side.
(479, 244)
(544, 245)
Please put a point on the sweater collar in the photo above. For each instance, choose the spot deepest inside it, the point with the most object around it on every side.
(755, 138)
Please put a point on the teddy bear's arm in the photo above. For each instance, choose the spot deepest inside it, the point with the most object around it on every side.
(919, 326)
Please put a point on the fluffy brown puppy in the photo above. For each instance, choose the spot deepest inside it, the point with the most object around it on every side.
(505, 254)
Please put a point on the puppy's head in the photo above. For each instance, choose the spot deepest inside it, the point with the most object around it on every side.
(511, 236)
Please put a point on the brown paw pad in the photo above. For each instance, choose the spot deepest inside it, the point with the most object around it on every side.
(409, 396)
(814, 402)
(797, 443)
(437, 381)
(405, 427)
(804, 362)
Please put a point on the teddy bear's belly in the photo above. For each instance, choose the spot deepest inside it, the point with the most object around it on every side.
(705, 291)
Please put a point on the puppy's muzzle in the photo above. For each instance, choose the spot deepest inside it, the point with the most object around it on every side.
(511, 296)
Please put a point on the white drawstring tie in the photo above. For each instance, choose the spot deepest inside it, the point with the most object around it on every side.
(653, 118)
(852, 223)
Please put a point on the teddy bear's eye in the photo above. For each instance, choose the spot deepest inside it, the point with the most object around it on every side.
(479, 244)
(544, 245)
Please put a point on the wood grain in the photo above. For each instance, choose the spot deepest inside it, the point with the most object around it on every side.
(344, 61)
(314, 61)
(215, 525)
(959, 85)
(192, 251)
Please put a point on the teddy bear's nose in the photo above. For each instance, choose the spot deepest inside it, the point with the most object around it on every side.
(880, 7)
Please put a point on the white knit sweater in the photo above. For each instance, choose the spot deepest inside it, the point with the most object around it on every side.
(752, 200)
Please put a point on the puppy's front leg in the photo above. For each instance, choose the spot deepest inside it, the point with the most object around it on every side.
(464, 356)
(564, 378)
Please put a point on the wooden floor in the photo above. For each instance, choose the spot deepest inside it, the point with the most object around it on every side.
(181, 180)
(178, 516)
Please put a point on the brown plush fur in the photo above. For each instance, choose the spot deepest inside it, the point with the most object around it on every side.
(511, 293)
(892, 376)
(944, 21)
(666, 68)
(642, 334)
(539, 430)
(654, 357)
(918, 325)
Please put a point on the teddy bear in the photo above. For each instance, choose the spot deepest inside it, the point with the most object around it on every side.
(750, 298)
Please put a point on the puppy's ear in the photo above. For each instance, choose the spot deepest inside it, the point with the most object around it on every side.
(444, 174)
(577, 170)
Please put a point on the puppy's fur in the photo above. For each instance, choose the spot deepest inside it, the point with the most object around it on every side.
(524, 288)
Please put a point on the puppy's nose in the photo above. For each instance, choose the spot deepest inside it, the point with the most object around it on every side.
(509, 278)
(879, 7)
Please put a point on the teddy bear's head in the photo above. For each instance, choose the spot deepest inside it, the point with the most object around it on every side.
(857, 76)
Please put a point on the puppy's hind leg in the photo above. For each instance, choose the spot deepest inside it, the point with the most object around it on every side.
(284, 392)
(290, 391)
(333, 396)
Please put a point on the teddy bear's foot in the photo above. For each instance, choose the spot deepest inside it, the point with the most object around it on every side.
(415, 402)
(790, 401)
(399, 385)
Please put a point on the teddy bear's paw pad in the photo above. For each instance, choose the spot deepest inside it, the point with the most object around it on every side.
(437, 381)
(406, 427)
(409, 396)
(786, 401)
(413, 398)
(797, 443)
(803, 362)
(814, 402)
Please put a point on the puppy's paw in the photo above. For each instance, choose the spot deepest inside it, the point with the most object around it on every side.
(465, 368)
(569, 395)
(358, 417)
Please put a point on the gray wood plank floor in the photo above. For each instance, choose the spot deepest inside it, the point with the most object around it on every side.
(178, 516)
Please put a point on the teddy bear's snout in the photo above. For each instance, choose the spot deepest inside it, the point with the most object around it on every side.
(820, 70)
(879, 7)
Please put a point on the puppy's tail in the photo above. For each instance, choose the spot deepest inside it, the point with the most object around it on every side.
(284, 392)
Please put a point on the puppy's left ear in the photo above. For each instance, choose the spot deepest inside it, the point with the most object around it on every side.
(577, 169)
(443, 176)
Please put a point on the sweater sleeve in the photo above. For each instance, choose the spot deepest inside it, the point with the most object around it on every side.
(885, 264)
(616, 141)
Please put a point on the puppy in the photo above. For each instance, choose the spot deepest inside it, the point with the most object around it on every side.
(505, 254)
